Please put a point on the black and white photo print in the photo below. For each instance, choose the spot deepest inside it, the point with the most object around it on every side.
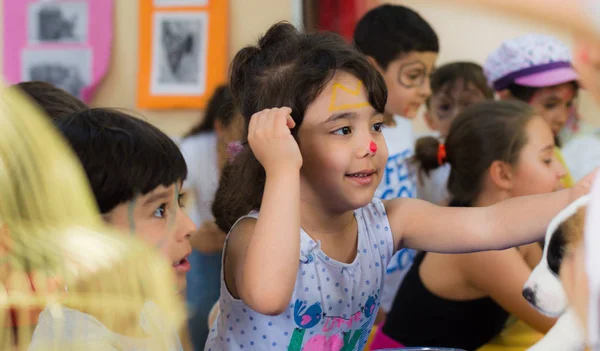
(68, 69)
(179, 53)
(167, 3)
(58, 22)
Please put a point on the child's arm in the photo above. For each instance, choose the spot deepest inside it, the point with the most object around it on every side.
(420, 225)
(263, 256)
(501, 275)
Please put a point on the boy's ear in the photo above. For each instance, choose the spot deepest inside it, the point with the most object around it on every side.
(501, 175)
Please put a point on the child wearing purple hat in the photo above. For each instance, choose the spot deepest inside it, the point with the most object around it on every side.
(536, 69)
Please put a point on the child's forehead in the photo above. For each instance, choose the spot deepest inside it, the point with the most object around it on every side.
(160, 192)
(565, 91)
(458, 86)
(425, 59)
(343, 93)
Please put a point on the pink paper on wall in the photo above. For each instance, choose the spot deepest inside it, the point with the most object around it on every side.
(64, 42)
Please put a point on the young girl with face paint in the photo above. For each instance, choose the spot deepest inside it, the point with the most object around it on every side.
(537, 69)
(497, 151)
(308, 244)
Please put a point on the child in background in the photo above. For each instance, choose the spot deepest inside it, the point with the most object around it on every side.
(498, 151)
(206, 149)
(454, 87)
(536, 69)
(308, 243)
(403, 47)
(135, 172)
(55, 102)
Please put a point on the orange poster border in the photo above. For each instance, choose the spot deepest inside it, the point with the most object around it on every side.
(216, 60)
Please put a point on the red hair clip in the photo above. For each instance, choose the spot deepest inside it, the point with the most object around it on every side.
(441, 155)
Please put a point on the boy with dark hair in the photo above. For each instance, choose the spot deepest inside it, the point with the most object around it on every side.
(404, 48)
(135, 172)
(55, 102)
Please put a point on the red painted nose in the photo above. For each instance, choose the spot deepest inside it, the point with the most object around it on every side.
(373, 146)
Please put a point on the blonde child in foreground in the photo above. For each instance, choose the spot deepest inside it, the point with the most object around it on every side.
(307, 272)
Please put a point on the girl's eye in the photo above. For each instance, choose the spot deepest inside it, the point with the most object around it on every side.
(342, 131)
(378, 127)
(160, 211)
(550, 106)
(548, 161)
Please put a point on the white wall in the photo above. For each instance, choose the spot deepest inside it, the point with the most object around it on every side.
(472, 33)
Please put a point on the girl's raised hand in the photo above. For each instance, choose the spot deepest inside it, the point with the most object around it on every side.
(271, 140)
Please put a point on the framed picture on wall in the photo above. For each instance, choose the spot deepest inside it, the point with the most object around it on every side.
(179, 53)
(68, 69)
(183, 52)
(57, 22)
(65, 43)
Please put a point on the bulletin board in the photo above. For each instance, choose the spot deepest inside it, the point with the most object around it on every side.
(65, 43)
(183, 53)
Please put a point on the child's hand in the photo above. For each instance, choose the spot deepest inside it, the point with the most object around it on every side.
(583, 186)
(271, 141)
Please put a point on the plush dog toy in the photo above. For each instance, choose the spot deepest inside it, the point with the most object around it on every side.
(544, 290)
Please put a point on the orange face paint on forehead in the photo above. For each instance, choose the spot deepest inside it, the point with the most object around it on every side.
(344, 97)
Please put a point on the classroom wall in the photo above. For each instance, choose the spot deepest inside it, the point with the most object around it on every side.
(472, 33)
(248, 19)
(465, 34)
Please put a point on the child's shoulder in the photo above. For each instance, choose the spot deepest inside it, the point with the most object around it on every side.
(374, 211)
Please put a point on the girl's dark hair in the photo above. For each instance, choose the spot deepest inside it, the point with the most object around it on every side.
(55, 102)
(220, 108)
(481, 134)
(285, 68)
(448, 75)
(522, 92)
